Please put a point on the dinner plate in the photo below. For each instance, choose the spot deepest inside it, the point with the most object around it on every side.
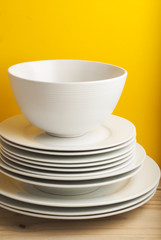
(69, 171)
(75, 161)
(72, 211)
(143, 181)
(130, 165)
(37, 164)
(78, 217)
(69, 176)
(69, 153)
(114, 131)
(102, 165)
(70, 188)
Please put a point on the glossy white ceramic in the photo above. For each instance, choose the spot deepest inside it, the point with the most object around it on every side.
(72, 211)
(70, 188)
(113, 132)
(68, 168)
(66, 98)
(142, 182)
(68, 172)
(130, 165)
(78, 217)
(65, 164)
(35, 153)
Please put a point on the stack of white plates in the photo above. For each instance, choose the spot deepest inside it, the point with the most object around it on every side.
(105, 201)
(98, 174)
(80, 165)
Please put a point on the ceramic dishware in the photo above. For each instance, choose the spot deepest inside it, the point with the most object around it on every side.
(94, 216)
(139, 184)
(75, 96)
(73, 212)
(115, 131)
(67, 168)
(125, 167)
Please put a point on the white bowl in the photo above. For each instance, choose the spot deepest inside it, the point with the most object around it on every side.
(66, 98)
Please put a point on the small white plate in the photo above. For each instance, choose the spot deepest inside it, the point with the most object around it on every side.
(73, 211)
(113, 132)
(139, 184)
(66, 167)
(68, 176)
(50, 172)
(74, 161)
(102, 165)
(78, 217)
(128, 166)
(70, 188)
(69, 153)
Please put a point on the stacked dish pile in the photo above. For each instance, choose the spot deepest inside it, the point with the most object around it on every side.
(49, 173)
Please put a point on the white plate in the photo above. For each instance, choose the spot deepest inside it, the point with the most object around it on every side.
(73, 160)
(70, 188)
(63, 171)
(68, 176)
(79, 217)
(139, 184)
(113, 132)
(67, 168)
(69, 153)
(67, 165)
(128, 166)
(72, 211)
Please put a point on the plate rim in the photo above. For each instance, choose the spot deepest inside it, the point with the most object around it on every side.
(78, 177)
(149, 163)
(97, 146)
(94, 216)
(80, 212)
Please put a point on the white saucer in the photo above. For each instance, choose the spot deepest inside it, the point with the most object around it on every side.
(69, 153)
(43, 173)
(142, 182)
(72, 211)
(37, 164)
(70, 188)
(79, 217)
(68, 168)
(70, 176)
(85, 160)
(113, 132)
(124, 168)
(100, 165)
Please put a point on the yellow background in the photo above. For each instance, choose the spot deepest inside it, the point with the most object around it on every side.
(121, 32)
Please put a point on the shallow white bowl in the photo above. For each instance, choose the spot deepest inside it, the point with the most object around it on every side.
(66, 98)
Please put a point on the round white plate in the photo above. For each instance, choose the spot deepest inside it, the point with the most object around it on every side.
(139, 184)
(43, 165)
(78, 217)
(72, 211)
(103, 165)
(68, 171)
(68, 176)
(125, 167)
(113, 132)
(70, 188)
(75, 160)
(69, 153)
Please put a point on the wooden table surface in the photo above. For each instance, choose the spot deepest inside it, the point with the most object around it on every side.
(141, 223)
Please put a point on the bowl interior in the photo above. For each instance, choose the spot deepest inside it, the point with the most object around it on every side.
(65, 71)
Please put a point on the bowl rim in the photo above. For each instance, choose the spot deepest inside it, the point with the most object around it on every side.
(124, 74)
